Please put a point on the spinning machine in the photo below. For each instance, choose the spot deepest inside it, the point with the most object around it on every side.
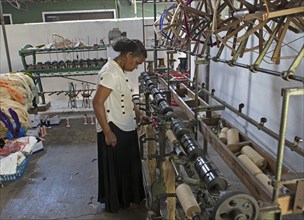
(183, 182)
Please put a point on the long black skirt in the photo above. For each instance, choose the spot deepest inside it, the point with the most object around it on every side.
(120, 179)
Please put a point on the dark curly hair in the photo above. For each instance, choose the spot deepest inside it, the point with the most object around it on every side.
(125, 45)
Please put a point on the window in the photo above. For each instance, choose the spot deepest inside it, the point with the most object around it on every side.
(7, 19)
(78, 15)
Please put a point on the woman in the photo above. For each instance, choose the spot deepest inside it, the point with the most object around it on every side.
(119, 163)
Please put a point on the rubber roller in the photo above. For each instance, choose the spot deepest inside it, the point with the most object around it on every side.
(154, 90)
(149, 82)
(158, 98)
(254, 156)
(210, 175)
(145, 75)
(151, 87)
(191, 147)
(179, 129)
(187, 200)
(247, 162)
(165, 108)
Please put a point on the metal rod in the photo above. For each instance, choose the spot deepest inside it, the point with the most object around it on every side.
(267, 45)
(78, 80)
(286, 93)
(63, 75)
(197, 63)
(281, 144)
(5, 39)
(267, 71)
(289, 144)
(296, 63)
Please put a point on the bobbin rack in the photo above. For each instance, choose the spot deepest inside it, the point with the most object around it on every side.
(61, 62)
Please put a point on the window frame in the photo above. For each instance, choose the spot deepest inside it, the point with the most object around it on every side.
(44, 14)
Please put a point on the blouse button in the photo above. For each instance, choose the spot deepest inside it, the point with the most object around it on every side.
(127, 80)
(122, 100)
(122, 95)
(122, 106)
(123, 113)
(108, 110)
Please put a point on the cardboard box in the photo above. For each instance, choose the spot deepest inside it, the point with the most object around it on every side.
(33, 131)
(34, 120)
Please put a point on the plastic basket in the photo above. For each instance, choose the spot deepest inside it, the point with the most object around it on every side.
(20, 171)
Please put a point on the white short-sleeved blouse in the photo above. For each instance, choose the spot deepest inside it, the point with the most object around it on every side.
(118, 106)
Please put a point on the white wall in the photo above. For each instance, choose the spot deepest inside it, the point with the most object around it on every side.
(88, 31)
(261, 93)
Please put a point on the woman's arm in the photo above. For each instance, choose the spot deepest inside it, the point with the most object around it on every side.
(101, 95)
(140, 115)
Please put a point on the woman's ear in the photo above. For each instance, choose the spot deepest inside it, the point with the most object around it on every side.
(129, 55)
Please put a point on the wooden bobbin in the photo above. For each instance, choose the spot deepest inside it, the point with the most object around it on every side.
(169, 179)
(171, 137)
(85, 119)
(223, 137)
(151, 151)
(265, 180)
(187, 200)
(224, 129)
(92, 120)
(44, 130)
(233, 136)
(245, 160)
(68, 123)
(41, 132)
(260, 161)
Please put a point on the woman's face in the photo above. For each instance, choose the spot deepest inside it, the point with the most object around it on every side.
(132, 62)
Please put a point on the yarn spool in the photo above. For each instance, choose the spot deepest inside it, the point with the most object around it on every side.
(224, 129)
(44, 128)
(92, 120)
(171, 137)
(254, 156)
(85, 119)
(265, 180)
(187, 200)
(41, 130)
(223, 137)
(68, 123)
(247, 162)
(233, 136)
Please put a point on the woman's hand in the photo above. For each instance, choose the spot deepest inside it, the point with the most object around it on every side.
(110, 138)
(143, 119)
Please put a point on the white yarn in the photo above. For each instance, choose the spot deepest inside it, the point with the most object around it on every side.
(26, 87)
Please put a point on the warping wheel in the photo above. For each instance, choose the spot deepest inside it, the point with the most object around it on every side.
(236, 206)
